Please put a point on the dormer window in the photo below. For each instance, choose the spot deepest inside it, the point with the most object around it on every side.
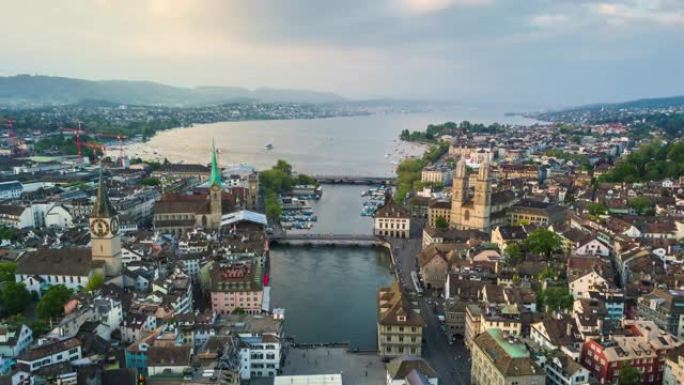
(401, 318)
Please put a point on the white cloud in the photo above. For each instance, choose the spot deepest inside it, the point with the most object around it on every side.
(656, 12)
(549, 20)
(431, 6)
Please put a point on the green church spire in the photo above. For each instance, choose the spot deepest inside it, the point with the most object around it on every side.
(215, 177)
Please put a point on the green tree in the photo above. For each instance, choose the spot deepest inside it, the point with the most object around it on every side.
(95, 282)
(51, 305)
(272, 205)
(629, 375)
(151, 181)
(441, 223)
(14, 298)
(514, 253)
(597, 209)
(557, 298)
(543, 241)
(641, 205)
(283, 166)
(7, 271)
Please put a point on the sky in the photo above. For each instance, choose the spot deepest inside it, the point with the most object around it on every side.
(537, 53)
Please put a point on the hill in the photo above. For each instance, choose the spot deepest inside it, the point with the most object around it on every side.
(37, 91)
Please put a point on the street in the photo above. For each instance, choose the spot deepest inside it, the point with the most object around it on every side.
(450, 361)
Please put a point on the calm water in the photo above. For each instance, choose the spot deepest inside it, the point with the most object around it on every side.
(338, 211)
(360, 145)
(329, 293)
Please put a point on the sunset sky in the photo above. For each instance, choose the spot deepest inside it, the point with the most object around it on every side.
(515, 52)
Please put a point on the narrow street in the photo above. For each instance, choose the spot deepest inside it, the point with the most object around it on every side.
(450, 361)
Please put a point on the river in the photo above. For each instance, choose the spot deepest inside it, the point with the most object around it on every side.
(328, 293)
(358, 145)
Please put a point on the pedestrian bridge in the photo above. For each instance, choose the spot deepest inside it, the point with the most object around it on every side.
(306, 239)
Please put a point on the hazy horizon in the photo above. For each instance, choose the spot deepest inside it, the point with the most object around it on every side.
(537, 53)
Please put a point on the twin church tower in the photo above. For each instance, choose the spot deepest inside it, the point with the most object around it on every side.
(472, 213)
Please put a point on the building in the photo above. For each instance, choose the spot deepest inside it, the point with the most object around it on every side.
(104, 233)
(536, 212)
(643, 346)
(237, 286)
(401, 369)
(17, 216)
(436, 175)
(49, 354)
(10, 190)
(437, 209)
(674, 367)
(392, 220)
(561, 369)
(178, 214)
(485, 209)
(260, 354)
(400, 325)
(665, 308)
(14, 339)
(497, 360)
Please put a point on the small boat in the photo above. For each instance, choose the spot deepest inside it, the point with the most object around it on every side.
(268, 146)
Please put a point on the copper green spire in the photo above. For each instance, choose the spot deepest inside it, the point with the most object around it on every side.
(102, 208)
(215, 177)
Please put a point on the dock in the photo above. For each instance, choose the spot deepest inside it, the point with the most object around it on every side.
(356, 180)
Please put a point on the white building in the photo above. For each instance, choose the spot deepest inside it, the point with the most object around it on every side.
(259, 355)
(14, 340)
(11, 189)
(580, 287)
(50, 354)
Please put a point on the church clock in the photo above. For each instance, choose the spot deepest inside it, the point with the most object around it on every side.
(114, 226)
(99, 227)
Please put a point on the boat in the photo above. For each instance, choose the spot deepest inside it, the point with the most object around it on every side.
(268, 146)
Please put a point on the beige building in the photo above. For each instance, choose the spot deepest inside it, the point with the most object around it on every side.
(485, 209)
(400, 325)
(674, 367)
(438, 209)
(436, 175)
(392, 220)
(498, 360)
(537, 213)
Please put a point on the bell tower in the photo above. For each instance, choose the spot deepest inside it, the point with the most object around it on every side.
(458, 194)
(104, 232)
(482, 201)
(215, 191)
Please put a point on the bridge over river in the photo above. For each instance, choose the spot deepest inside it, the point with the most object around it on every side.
(327, 240)
(355, 180)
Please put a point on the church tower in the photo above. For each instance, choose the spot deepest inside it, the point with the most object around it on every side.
(215, 191)
(459, 193)
(104, 232)
(482, 201)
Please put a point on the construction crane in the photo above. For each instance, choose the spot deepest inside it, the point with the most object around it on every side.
(120, 139)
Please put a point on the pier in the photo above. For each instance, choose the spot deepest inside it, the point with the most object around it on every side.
(328, 240)
(355, 180)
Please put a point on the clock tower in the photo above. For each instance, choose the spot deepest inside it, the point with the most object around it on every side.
(104, 232)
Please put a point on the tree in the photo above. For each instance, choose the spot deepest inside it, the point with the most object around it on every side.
(641, 204)
(95, 282)
(514, 254)
(283, 166)
(52, 303)
(629, 375)
(543, 241)
(272, 205)
(14, 297)
(441, 222)
(7, 271)
(557, 298)
(151, 181)
(597, 209)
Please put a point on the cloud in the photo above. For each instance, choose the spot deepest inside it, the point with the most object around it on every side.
(430, 6)
(657, 12)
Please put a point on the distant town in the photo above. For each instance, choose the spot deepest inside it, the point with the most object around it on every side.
(546, 253)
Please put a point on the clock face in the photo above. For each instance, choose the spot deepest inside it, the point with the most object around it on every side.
(114, 226)
(99, 227)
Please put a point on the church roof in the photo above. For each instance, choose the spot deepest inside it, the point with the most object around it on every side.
(215, 176)
(102, 208)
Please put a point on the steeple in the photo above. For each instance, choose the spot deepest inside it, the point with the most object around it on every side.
(215, 176)
(102, 208)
